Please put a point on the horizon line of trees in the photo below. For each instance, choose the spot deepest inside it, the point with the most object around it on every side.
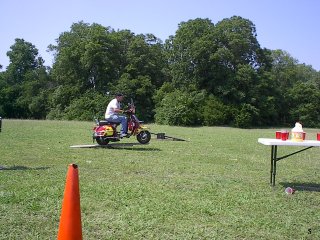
(206, 74)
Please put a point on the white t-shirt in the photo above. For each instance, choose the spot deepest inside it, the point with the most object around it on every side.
(111, 107)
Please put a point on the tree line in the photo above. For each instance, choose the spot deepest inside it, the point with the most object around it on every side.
(206, 74)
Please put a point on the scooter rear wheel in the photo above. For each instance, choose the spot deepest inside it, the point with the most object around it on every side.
(102, 141)
(144, 137)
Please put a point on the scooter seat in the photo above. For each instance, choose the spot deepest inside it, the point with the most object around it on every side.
(104, 122)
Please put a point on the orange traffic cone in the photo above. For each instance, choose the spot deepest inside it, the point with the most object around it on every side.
(70, 219)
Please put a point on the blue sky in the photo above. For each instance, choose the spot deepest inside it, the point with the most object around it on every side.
(290, 25)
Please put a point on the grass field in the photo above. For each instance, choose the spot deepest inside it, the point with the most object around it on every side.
(213, 186)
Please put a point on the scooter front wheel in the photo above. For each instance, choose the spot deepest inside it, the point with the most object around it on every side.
(144, 137)
(102, 141)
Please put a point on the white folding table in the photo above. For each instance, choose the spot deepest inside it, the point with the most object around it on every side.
(274, 143)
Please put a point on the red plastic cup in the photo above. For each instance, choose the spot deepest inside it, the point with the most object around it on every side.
(318, 136)
(284, 136)
(289, 190)
(304, 136)
(278, 134)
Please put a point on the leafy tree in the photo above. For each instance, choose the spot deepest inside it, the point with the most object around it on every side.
(68, 68)
(95, 57)
(141, 90)
(286, 73)
(237, 59)
(239, 38)
(304, 104)
(84, 60)
(284, 68)
(3, 85)
(188, 53)
(23, 58)
(240, 88)
(143, 72)
(26, 77)
(266, 98)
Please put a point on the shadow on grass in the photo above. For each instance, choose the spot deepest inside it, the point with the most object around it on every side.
(123, 146)
(129, 146)
(310, 187)
(22, 168)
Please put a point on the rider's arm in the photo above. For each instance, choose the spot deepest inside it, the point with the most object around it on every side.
(118, 110)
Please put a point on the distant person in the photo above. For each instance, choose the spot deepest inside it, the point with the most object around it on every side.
(114, 114)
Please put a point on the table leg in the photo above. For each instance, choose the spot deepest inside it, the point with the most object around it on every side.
(271, 168)
(275, 159)
(274, 168)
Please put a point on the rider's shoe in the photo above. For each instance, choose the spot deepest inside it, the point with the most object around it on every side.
(122, 135)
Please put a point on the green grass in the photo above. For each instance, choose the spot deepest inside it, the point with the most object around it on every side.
(213, 186)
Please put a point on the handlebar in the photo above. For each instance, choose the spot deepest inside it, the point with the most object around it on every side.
(131, 110)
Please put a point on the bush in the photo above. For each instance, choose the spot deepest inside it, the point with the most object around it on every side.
(246, 116)
(55, 113)
(180, 108)
(215, 113)
(86, 107)
(89, 105)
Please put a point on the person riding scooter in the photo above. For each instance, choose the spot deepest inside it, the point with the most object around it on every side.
(114, 114)
(105, 131)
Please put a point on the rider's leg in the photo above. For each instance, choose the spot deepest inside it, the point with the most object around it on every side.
(124, 124)
(120, 119)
